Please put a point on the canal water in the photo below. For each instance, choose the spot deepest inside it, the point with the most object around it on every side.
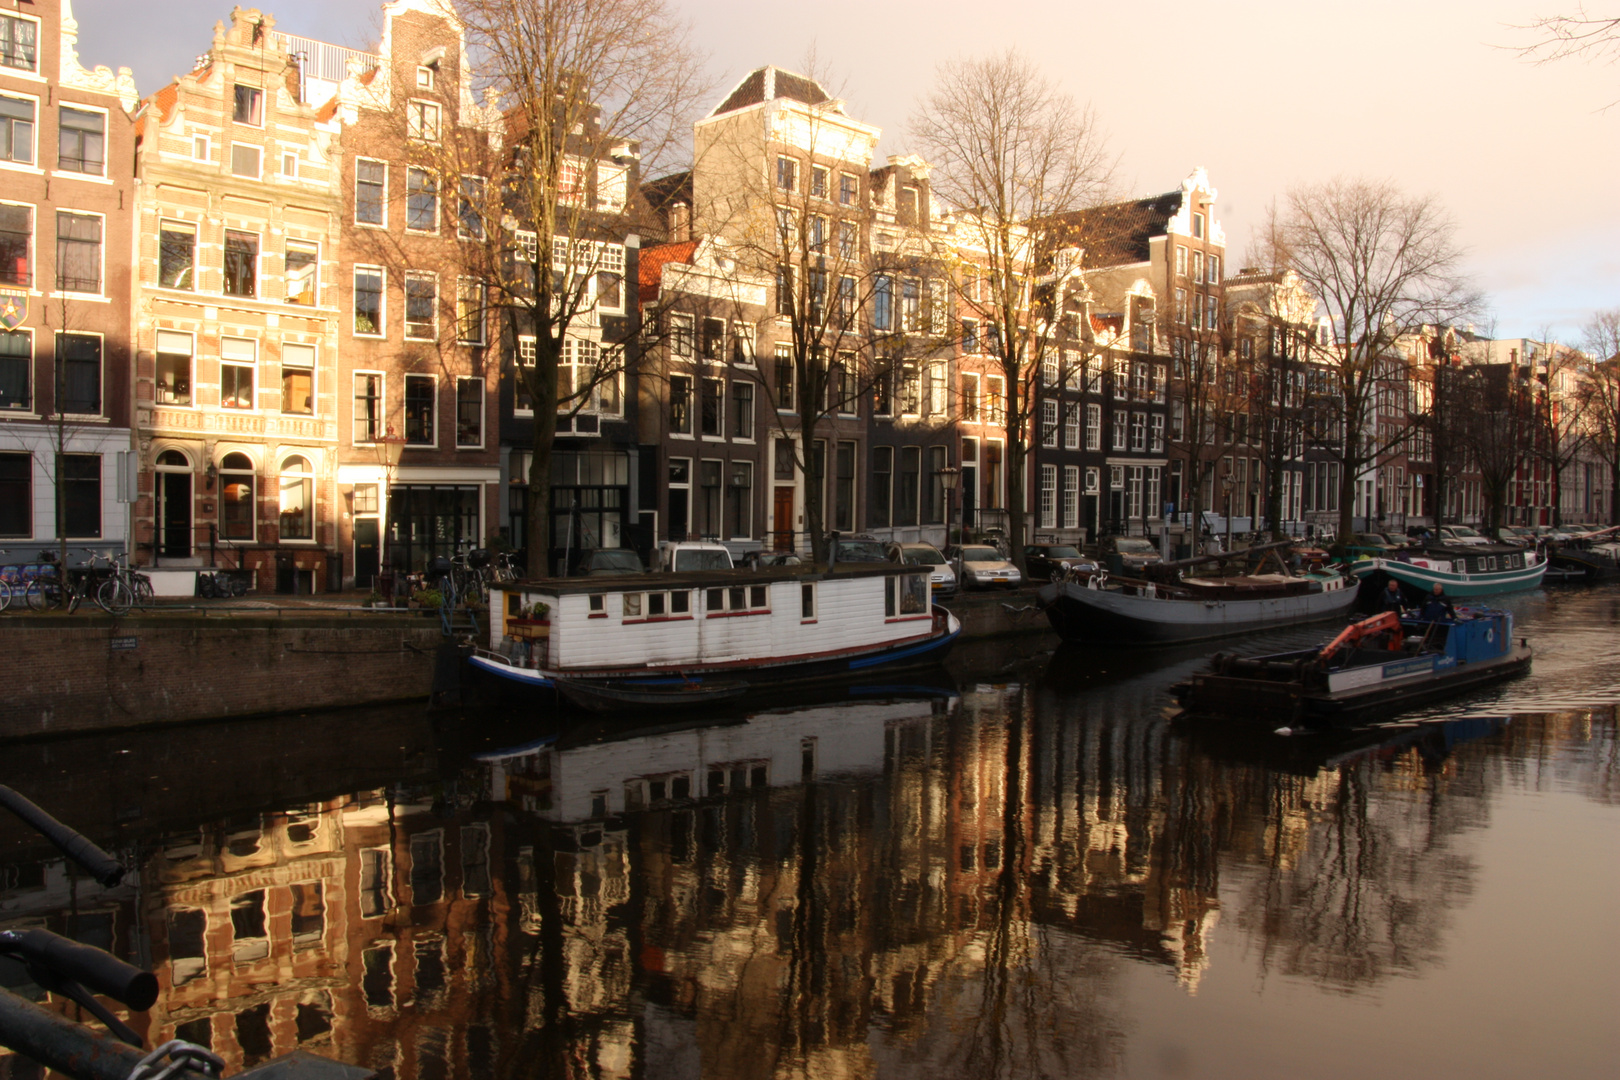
(1021, 866)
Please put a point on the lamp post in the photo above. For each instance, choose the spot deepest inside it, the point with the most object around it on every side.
(1226, 488)
(948, 478)
(390, 447)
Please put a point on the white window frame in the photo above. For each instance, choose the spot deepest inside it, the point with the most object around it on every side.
(261, 98)
(438, 196)
(468, 286)
(253, 345)
(526, 345)
(417, 111)
(102, 252)
(383, 224)
(32, 165)
(202, 141)
(483, 405)
(1121, 435)
(258, 152)
(191, 374)
(315, 298)
(1156, 435)
(1071, 497)
(39, 38)
(382, 405)
(1071, 425)
(1093, 427)
(106, 139)
(101, 350)
(314, 368)
(1049, 423)
(382, 301)
(1048, 497)
(404, 398)
(405, 316)
(289, 164)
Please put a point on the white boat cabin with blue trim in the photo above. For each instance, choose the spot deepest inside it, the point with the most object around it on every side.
(637, 624)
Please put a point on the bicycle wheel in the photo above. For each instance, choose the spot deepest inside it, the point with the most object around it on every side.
(143, 589)
(115, 596)
(43, 595)
(73, 596)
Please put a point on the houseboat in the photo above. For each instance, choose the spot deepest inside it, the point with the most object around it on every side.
(673, 639)
(1371, 671)
(1097, 610)
(1478, 570)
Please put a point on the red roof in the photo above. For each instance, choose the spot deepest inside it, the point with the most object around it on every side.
(653, 259)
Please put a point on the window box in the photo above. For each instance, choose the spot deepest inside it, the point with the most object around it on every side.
(528, 629)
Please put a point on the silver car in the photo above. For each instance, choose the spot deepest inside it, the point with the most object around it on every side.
(941, 578)
(984, 567)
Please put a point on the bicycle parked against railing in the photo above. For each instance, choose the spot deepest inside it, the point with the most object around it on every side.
(122, 587)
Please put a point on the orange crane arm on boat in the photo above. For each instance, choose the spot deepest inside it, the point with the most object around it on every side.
(1356, 633)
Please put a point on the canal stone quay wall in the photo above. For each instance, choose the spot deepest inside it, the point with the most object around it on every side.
(72, 674)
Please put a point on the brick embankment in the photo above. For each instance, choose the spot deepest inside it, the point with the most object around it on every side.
(72, 674)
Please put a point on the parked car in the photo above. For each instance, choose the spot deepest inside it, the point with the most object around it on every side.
(859, 549)
(983, 567)
(1375, 543)
(1461, 534)
(684, 555)
(760, 559)
(941, 578)
(1045, 561)
(1131, 552)
(605, 562)
(1517, 535)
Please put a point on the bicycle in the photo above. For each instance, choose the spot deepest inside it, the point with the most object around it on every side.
(54, 588)
(123, 588)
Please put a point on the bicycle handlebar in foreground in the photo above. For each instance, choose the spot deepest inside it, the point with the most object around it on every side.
(97, 863)
(86, 1054)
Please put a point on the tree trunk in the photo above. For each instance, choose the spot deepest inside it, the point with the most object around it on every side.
(1347, 498)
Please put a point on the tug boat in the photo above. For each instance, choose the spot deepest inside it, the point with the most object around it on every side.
(672, 640)
(1372, 670)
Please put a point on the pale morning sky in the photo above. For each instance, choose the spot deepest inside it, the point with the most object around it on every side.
(1264, 94)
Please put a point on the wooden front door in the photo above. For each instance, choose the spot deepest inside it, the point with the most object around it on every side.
(782, 519)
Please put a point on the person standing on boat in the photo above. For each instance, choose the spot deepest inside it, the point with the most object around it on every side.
(1438, 606)
(1393, 600)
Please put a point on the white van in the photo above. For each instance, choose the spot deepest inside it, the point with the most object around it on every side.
(684, 555)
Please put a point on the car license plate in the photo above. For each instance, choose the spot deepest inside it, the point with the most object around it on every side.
(1002, 578)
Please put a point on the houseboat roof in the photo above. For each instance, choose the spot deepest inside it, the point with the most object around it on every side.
(703, 579)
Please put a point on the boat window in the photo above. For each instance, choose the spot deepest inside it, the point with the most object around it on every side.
(680, 602)
(807, 601)
(907, 595)
(717, 600)
(655, 604)
(758, 597)
(632, 605)
(598, 604)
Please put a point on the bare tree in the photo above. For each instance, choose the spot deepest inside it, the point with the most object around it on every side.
(1600, 397)
(1382, 266)
(1577, 36)
(1017, 158)
(1561, 428)
(1496, 422)
(586, 93)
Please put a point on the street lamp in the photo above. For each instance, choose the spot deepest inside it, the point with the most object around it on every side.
(390, 448)
(1226, 487)
(948, 478)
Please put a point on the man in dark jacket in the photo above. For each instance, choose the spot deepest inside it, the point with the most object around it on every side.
(1393, 600)
(1438, 606)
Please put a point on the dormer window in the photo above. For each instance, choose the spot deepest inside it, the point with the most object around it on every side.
(1198, 226)
(425, 78)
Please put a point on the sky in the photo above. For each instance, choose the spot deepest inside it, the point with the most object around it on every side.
(1265, 95)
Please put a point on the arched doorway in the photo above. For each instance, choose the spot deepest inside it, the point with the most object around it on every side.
(172, 531)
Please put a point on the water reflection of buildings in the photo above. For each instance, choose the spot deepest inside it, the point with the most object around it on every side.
(860, 889)
(360, 927)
